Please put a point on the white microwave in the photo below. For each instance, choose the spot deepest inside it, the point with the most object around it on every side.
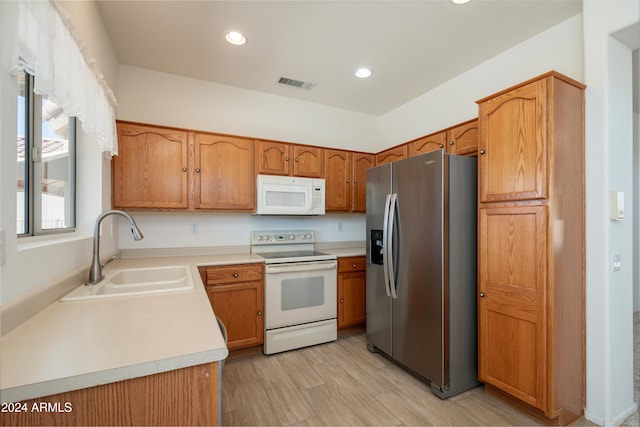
(290, 195)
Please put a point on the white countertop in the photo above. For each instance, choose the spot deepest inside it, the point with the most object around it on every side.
(78, 344)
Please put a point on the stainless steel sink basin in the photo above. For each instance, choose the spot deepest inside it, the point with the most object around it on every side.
(136, 281)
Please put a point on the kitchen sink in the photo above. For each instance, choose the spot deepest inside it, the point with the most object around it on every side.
(136, 281)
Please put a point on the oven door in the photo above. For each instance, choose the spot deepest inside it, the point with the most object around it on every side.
(300, 293)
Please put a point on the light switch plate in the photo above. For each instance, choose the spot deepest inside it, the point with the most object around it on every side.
(616, 262)
(616, 205)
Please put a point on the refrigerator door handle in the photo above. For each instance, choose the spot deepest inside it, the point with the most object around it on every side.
(385, 253)
(389, 245)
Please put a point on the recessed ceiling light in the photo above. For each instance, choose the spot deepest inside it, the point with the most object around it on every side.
(363, 72)
(236, 38)
(460, 1)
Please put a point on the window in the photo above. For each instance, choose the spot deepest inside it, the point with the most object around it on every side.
(46, 164)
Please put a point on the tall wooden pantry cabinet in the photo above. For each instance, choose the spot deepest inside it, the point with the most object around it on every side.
(531, 246)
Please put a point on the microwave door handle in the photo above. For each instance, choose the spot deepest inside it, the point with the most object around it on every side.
(385, 254)
(389, 245)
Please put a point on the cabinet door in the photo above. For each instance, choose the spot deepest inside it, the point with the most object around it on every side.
(239, 307)
(513, 353)
(513, 146)
(338, 180)
(273, 158)
(308, 161)
(361, 162)
(427, 144)
(351, 299)
(150, 170)
(391, 155)
(223, 174)
(463, 139)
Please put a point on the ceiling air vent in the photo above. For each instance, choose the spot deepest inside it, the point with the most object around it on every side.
(295, 83)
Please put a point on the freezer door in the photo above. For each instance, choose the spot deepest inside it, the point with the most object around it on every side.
(418, 322)
(378, 303)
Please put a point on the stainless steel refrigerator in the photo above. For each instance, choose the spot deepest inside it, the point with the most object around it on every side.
(421, 267)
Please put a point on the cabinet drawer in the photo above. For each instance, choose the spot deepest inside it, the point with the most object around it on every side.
(357, 263)
(233, 273)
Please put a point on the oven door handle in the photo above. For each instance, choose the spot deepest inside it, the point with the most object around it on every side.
(292, 268)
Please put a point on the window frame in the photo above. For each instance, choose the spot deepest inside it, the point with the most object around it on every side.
(33, 160)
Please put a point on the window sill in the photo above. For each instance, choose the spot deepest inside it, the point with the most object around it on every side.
(34, 242)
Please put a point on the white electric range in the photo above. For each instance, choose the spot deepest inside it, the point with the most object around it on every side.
(300, 290)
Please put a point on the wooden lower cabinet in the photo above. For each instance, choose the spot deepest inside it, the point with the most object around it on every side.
(512, 303)
(236, 293)
(351, 291)
(187, 396)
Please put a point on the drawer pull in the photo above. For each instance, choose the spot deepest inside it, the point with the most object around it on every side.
(235, 275)
(259, 313)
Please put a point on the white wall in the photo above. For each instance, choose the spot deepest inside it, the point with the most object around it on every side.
(35, 262)
(609, 373)
(559, 48)
(167, 99)
(636, 207)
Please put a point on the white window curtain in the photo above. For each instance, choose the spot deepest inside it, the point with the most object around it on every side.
(44, 47)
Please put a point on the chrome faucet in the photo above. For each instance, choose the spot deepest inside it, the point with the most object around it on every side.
(95, 271)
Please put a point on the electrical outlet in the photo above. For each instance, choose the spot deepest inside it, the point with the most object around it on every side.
(195, 229)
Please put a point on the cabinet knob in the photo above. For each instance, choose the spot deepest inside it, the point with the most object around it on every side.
(184, 169)
(286, 159)
(297, 159)
(259, 313)
(348, 181)
(341, 301)
(451, 142)
(441, 146)
(355, 181)
(198, 170)
(355, 265)
(481, 294)
(235, 275)
(481, 151)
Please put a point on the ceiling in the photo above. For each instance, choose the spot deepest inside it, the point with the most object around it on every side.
(412, 46)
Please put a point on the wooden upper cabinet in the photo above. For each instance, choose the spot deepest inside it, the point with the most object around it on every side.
(361, 162)
(150, 170)
(392, 154)
(338, 180)
(512, 152)
(463, 139)
(223, 173)
(281, 158)
(427, 144)
(345, 180)
(308, 161)
(273, 157)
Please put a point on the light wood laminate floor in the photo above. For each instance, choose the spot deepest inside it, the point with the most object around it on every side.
(342, 383)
